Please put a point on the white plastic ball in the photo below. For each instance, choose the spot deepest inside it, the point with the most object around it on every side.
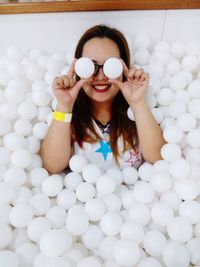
(8, 259)
(113, 68)
(186, 122)
(143, 192)
(186, 189)
(6, 235)
(178, 49)
(23, 127)
(176, 109)
(171, 199)
(161, 213)
(40, 130)
(180, 168)
(110, 223)
(105, 184)
(140, 213)
(132, 230)
(77, 222)
(41, 98)
(190, 210)
(72, 180)
(92, 237)
(91, 173)
(193, 88)
(149, 262)
(130, 114)
(40, 203)
(58, 262)
(57, 216)
(52, 185)
(15, 176)
(4, 155)
(95, 208)
(37, 176)
(190, 62)
(193, 246)
(178, 82)
(179, 229)
(116, 174)
(55, 242)
(37, 227)
(26, 252)
(161, 182)
(170, 152)
(165, 96)
(176, 254)
(154, 242)
(173, 134)
(112, 202)
(84, 67)
(21, 158)
(27, 110)
(145, 171)
(14, 94)
(142, 56)
(193, 138)
(90, 261)
(66, 198)
(194, 107)
(14, 141)
(21, 215)
(34, 72)
(33, 144)
(173, 66)
(77, 163)
(130, 175)
(5, 126)
(8, 111)
(126, 252)
(182, 96)
(106, 247)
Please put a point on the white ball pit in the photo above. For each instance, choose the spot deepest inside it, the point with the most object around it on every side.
(90, 216)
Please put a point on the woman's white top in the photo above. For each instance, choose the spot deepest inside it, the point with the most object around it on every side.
(100, 153)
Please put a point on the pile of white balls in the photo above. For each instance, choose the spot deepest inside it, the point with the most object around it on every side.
(91, 217)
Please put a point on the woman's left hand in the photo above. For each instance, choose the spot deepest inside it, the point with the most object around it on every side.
(135, 87)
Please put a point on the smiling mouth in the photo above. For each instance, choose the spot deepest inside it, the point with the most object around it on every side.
(101, 87)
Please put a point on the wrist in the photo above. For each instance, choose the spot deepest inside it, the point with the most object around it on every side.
(62, 116)
(64, 108)
(139, 105)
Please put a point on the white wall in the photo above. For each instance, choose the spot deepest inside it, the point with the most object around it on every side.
(58, 31)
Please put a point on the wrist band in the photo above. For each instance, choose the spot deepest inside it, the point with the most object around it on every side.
(61, 116)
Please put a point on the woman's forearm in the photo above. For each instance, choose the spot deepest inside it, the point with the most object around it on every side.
(56, 147)
(149, 133)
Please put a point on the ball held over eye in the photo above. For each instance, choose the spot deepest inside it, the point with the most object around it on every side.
(113, 68)
(84, 67)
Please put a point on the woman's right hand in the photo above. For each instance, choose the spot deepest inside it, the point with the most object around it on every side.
(66, 89)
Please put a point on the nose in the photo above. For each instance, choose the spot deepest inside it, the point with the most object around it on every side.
(100, 74)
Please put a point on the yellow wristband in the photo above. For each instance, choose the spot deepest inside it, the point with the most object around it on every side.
(61, 116)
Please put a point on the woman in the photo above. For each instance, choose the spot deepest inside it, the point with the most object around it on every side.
(99, 127)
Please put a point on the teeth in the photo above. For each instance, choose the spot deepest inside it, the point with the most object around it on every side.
(101, 87)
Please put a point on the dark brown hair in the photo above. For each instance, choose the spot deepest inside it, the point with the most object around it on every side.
(82, 111)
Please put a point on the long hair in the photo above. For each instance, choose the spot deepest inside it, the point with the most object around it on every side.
(120, 124)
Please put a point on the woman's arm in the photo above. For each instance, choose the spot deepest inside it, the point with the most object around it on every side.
(56, 147)
(149, 133)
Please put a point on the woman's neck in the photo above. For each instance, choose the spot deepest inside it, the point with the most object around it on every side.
(102, 112)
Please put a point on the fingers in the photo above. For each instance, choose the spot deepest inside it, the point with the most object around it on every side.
(137, 75)
(71, 70)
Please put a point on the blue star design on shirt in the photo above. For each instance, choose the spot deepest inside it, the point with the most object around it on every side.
(104, 149)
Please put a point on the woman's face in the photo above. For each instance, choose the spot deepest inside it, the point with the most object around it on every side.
(99, 50)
